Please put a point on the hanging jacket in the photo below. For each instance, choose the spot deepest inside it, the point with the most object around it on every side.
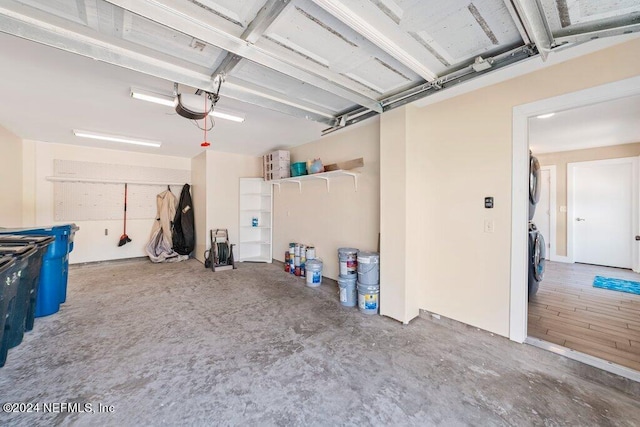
(160, 245)
(184, 240)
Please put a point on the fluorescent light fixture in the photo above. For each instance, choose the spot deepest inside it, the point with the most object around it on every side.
(545, 116)
(169, 101)
(156, 98)
(228, 116)
(115, 138)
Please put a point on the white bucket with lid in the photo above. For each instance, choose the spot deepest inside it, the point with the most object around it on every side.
(348, 258)
(368, 268)
(348, 293)
(314, 272)
(368, 298)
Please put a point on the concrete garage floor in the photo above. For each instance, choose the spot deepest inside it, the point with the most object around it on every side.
(176, 344)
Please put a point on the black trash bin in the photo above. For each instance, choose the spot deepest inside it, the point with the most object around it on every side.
(25, 256)
(35, 268)
(8, 286)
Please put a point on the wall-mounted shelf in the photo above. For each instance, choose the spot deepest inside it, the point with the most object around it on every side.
(109, 181)
(326, 176)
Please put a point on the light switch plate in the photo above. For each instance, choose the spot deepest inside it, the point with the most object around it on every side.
(489, 226)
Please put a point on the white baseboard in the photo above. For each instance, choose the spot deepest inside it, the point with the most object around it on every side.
(558, 258)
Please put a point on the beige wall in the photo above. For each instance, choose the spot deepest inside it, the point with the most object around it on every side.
(459, 151)
(199, 196)
(216, 181)
(224, 171)
(91, 244)
(339, 218)
(560, 160)
(11, 178)
(398, 298)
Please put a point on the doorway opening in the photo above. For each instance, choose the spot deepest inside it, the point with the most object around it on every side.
(557, 252)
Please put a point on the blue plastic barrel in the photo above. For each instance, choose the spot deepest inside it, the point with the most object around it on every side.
(55, 265)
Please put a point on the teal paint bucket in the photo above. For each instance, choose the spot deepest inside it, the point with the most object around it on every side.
(368, 298)
(368, 268)
(314, 272)
(348, 258)
(348, 293)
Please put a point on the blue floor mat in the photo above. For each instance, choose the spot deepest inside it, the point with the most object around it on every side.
(617, 285)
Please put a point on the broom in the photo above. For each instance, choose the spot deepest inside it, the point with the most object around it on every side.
(124, 239)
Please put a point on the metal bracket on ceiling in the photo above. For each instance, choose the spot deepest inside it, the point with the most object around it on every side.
(437, 84)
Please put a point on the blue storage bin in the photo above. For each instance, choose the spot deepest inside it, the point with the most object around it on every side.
(55, 265)
(34, 271)
(9, 279)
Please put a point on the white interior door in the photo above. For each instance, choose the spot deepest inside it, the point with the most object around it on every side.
(603, 211)
(542, 216)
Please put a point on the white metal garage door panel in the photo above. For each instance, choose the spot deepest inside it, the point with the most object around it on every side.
(563, 16)
(380, 76)
(314, 35)
(162, 39)
(458, 30)
(75, 11)
(272, 80)
(231, 16)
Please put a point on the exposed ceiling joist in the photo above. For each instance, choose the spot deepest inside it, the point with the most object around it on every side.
(83, 41)
(374, 26)
(181, 17)
(260, 24)
(532, 17)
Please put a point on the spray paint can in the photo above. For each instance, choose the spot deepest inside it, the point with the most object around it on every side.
(311, 253)
(286, 261)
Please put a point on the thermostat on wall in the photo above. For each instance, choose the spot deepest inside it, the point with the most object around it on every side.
(488, 202)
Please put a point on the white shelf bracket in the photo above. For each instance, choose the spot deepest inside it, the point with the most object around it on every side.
(355, 179)
(299, 185)
(326, 180)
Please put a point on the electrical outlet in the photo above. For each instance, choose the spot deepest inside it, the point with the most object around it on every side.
(489, 226)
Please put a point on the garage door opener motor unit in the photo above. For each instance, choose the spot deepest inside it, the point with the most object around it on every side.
(220, 256)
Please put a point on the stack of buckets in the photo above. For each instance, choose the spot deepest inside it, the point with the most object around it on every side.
(300, 260)
(369, 282)
(359, 279)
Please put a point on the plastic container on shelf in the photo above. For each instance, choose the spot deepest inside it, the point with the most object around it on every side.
(298, 169)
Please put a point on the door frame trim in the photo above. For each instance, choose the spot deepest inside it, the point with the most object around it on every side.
(553, 253)
(520, 188)
(571, 168)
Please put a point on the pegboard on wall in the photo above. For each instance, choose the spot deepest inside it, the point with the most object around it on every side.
(88, 201)
(76, 200)
(112, 172)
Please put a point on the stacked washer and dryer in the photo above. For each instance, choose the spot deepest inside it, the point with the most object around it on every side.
(536, 241)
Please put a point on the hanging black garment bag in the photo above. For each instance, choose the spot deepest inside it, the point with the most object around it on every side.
(183, 225)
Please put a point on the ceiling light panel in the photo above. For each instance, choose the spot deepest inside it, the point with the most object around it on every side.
(305, 32)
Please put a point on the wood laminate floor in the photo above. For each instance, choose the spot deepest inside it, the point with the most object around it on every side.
(569, 311)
